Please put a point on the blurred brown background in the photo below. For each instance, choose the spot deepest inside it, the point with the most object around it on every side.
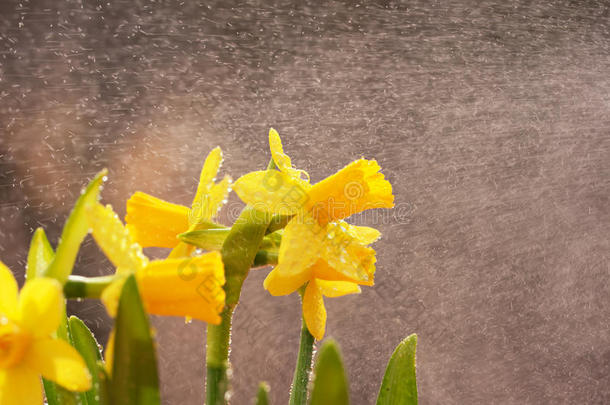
(490, 118)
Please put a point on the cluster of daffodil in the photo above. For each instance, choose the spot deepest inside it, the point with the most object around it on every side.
(295, 226)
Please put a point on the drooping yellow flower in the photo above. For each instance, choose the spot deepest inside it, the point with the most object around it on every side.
(27, 348)
(155, 222)
(318, 247)
(186, 286)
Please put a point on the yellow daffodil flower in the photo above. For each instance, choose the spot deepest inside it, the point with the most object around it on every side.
(27, 348)
(318, 247)
(155, 222)
(188, 286)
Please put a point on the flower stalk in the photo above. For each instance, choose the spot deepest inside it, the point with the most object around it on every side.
(238, 251)
(300, 380)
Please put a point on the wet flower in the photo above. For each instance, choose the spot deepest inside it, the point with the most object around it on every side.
(155, 222)
(318, 247)
(28, 321)
(187, 286)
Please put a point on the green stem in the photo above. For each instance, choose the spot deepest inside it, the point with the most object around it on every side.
(238, 252)
(218, 341)
(298, 394)
(86, 287)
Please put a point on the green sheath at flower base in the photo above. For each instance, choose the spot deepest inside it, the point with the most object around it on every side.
(213, 239)
(75, 230)
(87, 287)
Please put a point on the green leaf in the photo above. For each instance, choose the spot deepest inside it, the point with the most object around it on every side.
(262, 397)
(399, 386)
(134, 379)
(40, 255)
(74, 232)
(57, 395)
(84, 341)
(330, 383)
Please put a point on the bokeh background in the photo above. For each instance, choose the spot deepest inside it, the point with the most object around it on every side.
(490, 118)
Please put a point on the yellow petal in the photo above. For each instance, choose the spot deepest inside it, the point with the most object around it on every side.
(154, 222)
(184, 287)
(302, 244)
(208, 173)
(277, 284)
(110, 296)
(282, 161)
(357, 187)
(314, 312)
(272, 191)
(20, 385)
(8, 292)
(363, 234)
(40, 306)
(115, 240)
(57, 361)
(337, 288)
(207, 205)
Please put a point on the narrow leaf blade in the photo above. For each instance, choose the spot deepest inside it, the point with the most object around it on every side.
(74, 232)
(104, 382)
(84, 341)
(399, 385)
(134, 379)
(330, 383)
